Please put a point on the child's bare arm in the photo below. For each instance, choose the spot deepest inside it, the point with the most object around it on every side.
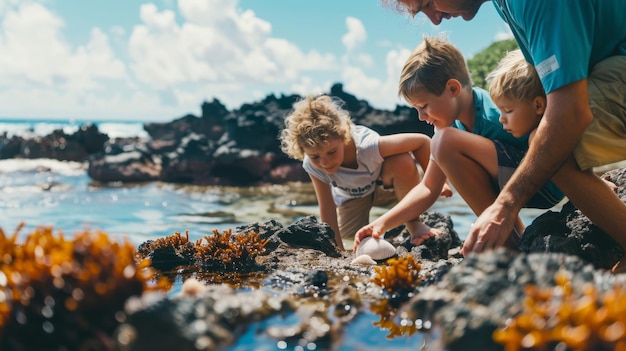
(418, 200)
(416, 143)
(327, 207)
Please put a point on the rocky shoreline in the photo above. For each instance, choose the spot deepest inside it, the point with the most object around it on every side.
(459, 301)
(492, 301)
(220, 147)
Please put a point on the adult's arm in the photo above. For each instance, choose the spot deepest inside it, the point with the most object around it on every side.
(566, 118)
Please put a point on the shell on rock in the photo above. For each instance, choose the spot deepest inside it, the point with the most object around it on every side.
(364, 260)
(377, 249)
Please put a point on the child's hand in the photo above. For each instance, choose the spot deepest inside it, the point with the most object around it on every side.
(369, 230)
(446, 191)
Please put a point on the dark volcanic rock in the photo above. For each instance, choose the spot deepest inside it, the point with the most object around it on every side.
(571, 232)
(308, 232)
(220, 147)
(239, 147)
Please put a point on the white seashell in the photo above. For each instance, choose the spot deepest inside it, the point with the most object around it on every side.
(364, 260)
(377, 249)
(193, 288)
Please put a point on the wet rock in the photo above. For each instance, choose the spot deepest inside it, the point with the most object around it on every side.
(266, 230)
(309, 233)
(437, 247)
(570, 231)
(484, 290)
(210, 321)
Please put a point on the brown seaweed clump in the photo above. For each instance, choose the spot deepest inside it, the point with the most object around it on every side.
(221, 253)
(559, 318)
(227, 252)
(398, 277)
(398, 274)
(60, 294)
(168, 252)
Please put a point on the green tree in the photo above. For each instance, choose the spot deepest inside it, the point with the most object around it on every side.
(485, 61)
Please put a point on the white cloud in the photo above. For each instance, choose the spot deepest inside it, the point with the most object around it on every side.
(5, 5)
(215, 45)
(168, 63)
(381, 93)
(356, 34)
(33, 52)
(504, 35)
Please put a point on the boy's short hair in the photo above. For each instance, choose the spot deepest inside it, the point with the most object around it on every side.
(430, 66)
(514, 78)
(312, 123)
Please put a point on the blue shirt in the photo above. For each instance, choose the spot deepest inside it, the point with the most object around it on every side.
(487, 121)
(564, 39)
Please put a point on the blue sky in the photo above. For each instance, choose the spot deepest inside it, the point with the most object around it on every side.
(159, 60)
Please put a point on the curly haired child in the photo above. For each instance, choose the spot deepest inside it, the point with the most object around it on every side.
(352, 167)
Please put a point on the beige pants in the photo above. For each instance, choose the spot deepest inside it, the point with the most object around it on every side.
(604, 141)
(355, 214)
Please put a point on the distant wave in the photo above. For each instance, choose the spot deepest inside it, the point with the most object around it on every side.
(34, 128)
(68, 168)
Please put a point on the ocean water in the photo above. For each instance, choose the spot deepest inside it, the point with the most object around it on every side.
(45, 192)
(41, 127)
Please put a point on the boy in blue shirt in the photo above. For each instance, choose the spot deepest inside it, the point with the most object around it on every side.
(470, 148)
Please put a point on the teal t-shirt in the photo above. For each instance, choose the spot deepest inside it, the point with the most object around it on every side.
(488, 124)
(564, 39)
(487, 121)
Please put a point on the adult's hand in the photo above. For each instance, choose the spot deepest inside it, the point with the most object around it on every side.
(491, 230)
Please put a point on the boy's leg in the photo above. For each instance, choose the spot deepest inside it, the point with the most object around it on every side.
(470, 163)
(509, 158)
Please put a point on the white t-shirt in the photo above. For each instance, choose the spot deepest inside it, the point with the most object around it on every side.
(348, 183)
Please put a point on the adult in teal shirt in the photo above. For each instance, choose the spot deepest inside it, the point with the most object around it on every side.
(579, 50)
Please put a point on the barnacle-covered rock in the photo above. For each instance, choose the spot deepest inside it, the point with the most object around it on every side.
(66, 294)
(212, 319)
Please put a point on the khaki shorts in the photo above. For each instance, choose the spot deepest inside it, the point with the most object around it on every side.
(354, 214)
(604, 141)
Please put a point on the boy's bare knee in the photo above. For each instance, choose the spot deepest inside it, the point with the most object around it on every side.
(399, 169)
(399, 164)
